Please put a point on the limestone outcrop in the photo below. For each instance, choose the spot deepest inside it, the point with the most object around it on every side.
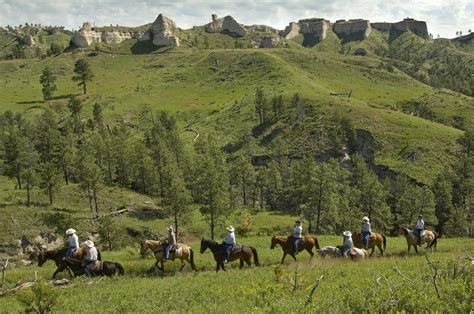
(291, 31)
(86, 36)
(416, 27)
(163, 31)
(266, 42)
(115, 37)
(261, 29)
(315, 28)
(355, 29)
(226, 25)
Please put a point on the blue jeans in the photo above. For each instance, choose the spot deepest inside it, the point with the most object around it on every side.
(167, 250)
(227, 250)
(70, 251)
(345, 250)
(295, 244)
(88, 267)
(366, 238)
(418, 233)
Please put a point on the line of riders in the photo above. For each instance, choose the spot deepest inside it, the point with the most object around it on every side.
(91, 256)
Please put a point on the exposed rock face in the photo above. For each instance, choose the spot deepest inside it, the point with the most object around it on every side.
(86, 36)
(261, 29)
(143, 36)
(162, 32)
(115, 37)
(29, 41)
(381, 26)
(268, 42)
(360, 52)
(417, 27)
(226, 25)
(315, 27)
(291, 31)
(356, 29)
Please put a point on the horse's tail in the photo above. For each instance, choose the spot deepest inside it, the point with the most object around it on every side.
(435, 241)
(191, 258)
(316, 243)
(384, 241)
(120, 269)
(255, 256)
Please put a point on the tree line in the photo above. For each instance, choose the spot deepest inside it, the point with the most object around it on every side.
(68, 145)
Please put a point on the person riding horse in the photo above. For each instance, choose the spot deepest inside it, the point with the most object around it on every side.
(170, 244)
(297, 236)
(72, 242)
(347, 243)
(366, 231)
(420, 226)
(229, 243)
(91, 257)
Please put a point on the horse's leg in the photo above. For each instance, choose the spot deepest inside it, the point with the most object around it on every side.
(380, 249)
(218, 265)
(56, 272)
(416, 249)
(310, 251)
(222, 266)
(284, 255)
(182, 265)
(241, 263)
(293, 255)
(373, 249)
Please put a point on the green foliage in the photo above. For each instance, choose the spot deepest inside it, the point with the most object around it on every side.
(83, 73)
(48, 80)
(110, 232)
(41, 298)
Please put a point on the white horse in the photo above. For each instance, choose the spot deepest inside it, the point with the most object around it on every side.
(332, 251)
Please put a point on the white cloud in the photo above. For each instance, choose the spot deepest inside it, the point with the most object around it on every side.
(444, 17)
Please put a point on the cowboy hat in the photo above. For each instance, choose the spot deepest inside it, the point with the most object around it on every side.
(298, 222)
(230, 229)
(70, 231)
(347, 234)
(365, 218)
(89, 243)
(420, 216)
(170, 228)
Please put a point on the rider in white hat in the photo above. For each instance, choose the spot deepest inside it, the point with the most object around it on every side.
(366, 231)
(347, 243)
(420, 226)
(91, 257)
(170, 245)
(229, 243)
(72, 242)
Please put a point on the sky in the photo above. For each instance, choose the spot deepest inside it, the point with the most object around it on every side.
(444, 17)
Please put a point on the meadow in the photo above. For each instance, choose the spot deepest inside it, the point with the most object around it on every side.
(368, 285)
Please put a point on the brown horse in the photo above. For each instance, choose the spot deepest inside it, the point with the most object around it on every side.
(307, 244)
(182, 252)
(429, 237)
(375, 239)
(243, 253)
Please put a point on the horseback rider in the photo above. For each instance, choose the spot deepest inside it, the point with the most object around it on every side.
(347, 243)
(229, 243)
(366, 231)
(167, 247)
(420, 226)
(91, 257)
(72, 242)
(296, 236)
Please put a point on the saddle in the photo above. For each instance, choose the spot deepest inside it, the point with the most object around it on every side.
(99, 265)
(237, 248)
(352, 253)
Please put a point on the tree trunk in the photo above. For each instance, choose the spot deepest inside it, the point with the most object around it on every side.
(28, 195)
(212, 224)
(95, 203)
(261, 198)
(50, 193)
(84, 86)
(90, 200)
(176, 224)
(19, 182)
(244, 192)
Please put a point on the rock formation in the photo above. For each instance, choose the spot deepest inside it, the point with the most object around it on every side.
(261, 29)
(267, 42)
(291, 31)
(163, 32)
(86, 36)
(314, 28)
(226, 25)
(29, 41)
(115, 37)
(416, 27)
(354, 29)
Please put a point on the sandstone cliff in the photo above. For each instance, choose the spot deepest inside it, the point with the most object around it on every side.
(353, 29)
(163, 32)
(87, 36)
(416, 27)
(226, 25)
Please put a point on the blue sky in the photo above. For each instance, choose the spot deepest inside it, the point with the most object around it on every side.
(443, 17)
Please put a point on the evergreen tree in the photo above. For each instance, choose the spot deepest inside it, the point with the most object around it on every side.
(48, 81)
(83, 73)
(28, 160)
(50, 179)
(261, 104)
(90, 179)
(442, 190)
(109, 232)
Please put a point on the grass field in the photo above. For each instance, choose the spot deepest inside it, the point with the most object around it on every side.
(373, 284)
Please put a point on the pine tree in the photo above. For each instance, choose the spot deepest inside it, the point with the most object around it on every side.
(28, 160)
(83, 73)
(261, 104)
(90, 179)
(48, 80)
(50, 178)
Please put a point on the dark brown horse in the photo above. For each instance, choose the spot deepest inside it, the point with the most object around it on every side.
(307, 243)
(375, 239)
(242, 253)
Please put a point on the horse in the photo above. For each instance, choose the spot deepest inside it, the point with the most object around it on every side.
(307, 244)
(329, 251)
(57, 256)
(375, 239)
(106, 268)
(332, 251)
(241, 252)
(182, 252)
(429, 237)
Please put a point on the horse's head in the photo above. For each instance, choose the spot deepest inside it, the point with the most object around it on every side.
(41, 256)
(203, 246)
(274, 242)
(143, 247)
(402, 231)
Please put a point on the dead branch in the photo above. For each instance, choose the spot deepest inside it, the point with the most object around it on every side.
(434, 272)
(313, 289)
(4, 266)
(405, 277)
(19, 286)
